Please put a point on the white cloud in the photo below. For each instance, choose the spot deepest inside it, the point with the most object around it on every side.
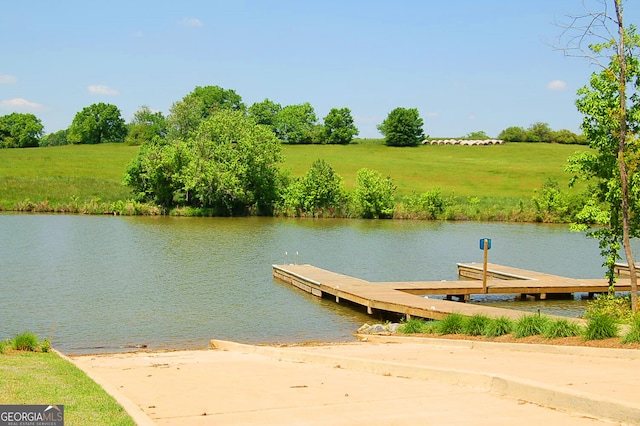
(101, 90)
(190, 22)
(7, 79)
(557, 85)
(473, 117)
(19, 103)
(432, 115)
(138, 34)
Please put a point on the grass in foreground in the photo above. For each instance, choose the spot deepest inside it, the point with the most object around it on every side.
(46, 378)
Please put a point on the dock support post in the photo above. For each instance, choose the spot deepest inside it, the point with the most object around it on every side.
(408, 317)
(369, 310)
(484, 269)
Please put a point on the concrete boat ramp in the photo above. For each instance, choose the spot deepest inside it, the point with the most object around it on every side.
(412, 298)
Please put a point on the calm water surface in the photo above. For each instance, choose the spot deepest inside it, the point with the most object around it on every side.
(98, 283)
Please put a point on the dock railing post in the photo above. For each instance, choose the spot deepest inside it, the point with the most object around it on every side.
(485, 246)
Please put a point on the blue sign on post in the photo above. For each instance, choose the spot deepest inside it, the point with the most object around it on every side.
(488, 243)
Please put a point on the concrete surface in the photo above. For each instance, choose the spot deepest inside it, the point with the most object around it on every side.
(383, 382)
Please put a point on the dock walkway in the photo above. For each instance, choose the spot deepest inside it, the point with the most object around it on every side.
(406, 297)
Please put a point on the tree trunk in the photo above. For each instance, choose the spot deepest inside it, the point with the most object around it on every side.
(624, 177)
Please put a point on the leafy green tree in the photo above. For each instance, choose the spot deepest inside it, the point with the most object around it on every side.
(265, 112)
(185, 116)
(550, 202)
(374, 196)
(58, 138)
(477, 136)
(229, 165)
(152, 175)
(566, 136)
(513, 134)
(428, 205)
(539, 132)
(146, 125)
(215, 98)
(611, 109)
(20, 130)
(319, 191)
(402, 127)
(295, 124)
(339, 127)
(97, 123)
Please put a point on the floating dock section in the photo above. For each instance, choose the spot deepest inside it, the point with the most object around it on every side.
(412, 298)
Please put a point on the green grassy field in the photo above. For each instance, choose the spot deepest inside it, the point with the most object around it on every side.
(59, 173)
(46, 378)
(83, 172)
(510, 170)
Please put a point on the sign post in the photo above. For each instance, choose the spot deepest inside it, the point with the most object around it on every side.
(485, 244)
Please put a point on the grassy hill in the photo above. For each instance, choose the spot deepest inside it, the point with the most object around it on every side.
(83, 172)
(510, 170)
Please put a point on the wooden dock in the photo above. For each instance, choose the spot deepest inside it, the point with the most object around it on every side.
(622, 269)
(411, 298)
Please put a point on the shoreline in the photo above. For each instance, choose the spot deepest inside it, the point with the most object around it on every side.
(566, 342)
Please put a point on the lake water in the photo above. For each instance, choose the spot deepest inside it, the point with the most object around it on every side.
(102, 283)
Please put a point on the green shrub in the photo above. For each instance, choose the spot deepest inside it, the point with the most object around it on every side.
(45, 346)
(551, 203)
(618, 308)
(530, 325)
(476, 324)
(320, 192)
(561, 328)
(373, 197)
(633, 335)
(601, 327)
(451, 324)
(499, 327)
(26, 342)
(5, 346)
(416, 325)
(428, 205)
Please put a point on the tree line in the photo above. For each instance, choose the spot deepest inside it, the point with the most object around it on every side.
(541, 132)
(103, 122)
(292, 124)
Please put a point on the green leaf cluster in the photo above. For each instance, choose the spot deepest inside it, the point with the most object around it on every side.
(320, 190)
(402, 127)
(20, 130)
(298, 124)
(146, 125)
(228, 164)
(374, 195)
(97, 123)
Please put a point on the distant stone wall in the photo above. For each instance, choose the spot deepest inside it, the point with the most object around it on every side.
(463, 142)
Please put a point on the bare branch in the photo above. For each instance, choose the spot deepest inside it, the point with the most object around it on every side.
(581, 32)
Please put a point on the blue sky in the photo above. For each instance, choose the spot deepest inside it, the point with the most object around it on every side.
(466, 65)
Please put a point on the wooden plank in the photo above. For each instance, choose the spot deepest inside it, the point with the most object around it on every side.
(398, 297)
(622, 269)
